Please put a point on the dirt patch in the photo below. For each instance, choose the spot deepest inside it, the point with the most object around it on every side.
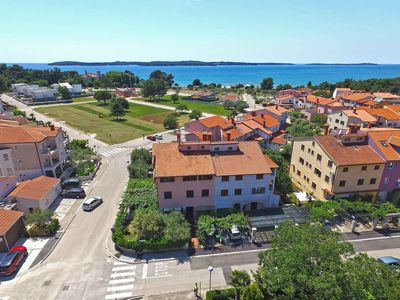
(158, 118)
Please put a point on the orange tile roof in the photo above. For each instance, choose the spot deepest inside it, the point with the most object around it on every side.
(386, 96)
(382, 112)
(231, 97)
(11, 134)
(34, 189)
(248, 163)
(7, 219)
(270, 122)
(304, 90)
(169, 161)
(253, 125)
(360, 114)
(344, 89)
(216, 121)
(347, 155)
(395, 108)
(243, 128)
(384, 141)
(320, 100)
(285, 97)
(235, 133)
(335, 104)
(357, 97)
(276, 110)
(270, 162)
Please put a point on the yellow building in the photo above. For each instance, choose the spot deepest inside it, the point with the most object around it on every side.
(336, 165)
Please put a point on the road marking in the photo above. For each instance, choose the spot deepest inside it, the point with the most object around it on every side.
(112, 151)
(374, 239)
(122, 274)
(145, 267)
(119, 281)
(119, 295)
(152, 277)
(124, 268)
(120, 288)
(4, 298)
(120, 263)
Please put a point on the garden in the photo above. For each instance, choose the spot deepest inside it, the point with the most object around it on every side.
(42, 223)
(83, 158)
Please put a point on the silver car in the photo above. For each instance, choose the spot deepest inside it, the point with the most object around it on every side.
(91, 203)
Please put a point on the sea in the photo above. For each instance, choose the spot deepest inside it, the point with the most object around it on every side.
(295, 75)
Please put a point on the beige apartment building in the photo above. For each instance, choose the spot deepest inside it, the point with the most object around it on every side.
(336, 165)
(29, 152)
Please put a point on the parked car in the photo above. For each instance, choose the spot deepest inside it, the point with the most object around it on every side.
(390, 261)
(77, 193)
(91, 203)
(151, 138)
(234, 234)
(159, 136)
(10, 262)
(73, 182)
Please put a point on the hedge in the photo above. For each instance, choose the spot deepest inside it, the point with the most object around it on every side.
(225, 294)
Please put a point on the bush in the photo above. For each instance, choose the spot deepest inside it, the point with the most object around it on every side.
(171, 121)
(140, 165)
(226, 294)
(47, 230)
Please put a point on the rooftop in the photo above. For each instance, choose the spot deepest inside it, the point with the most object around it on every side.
(385, 140)
(320, 100)
(357, 97)
(7, 219)
(215, 121)
(361, 114)
(34, 189)
(382, 112)
(347, 155)
(14, 134)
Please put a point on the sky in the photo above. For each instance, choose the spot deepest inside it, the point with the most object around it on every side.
(295, 31)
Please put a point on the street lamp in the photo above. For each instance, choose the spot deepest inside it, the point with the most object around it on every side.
(210, 269)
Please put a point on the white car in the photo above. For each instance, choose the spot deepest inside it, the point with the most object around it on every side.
(91, 203)
(159, 136)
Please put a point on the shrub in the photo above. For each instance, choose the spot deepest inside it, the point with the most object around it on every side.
(171, 121)
(225, 294)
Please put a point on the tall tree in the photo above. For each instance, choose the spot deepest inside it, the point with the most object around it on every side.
(168, 78)
(267, 84)
(116, 109)
(64, 92)
(102, 96)
(153, 88)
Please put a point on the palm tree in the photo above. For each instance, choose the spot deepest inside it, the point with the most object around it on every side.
(239, 279)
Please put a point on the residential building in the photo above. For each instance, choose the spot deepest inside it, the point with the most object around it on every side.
(7, 184)
(387, 97)
(276, 111)
(336, 165)
(290, 92)
(342, 119)
(38, 193)
(288, 101)
(34, 91)
(11, 228)
(204, 96)
(316, 101)
(214, 125)
(231, 98)
(74, 89)
(212, 175)
(355, 99)
(33, 151)
(340, 91)
(385, 117)
(387, 145)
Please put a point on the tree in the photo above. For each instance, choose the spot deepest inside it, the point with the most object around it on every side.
(167, 78)
(309, 84)
(251, 292)
(319, 119)
(40, 217)
(181, 108)
(171, 121)
(323, 93)
(147, 224)
(308, 262)
(122, 101)
(153, 88)
(176, 227)
(196, 82)
(116, 109)
(64, 92)
(3, 85)
(195, 114)
(301, 128)
(102, 96)
(283, 183)
(174, 97)
(140, 164)
(240, 106)
(239, 280)
(267, 84)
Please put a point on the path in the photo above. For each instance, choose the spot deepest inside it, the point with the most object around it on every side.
(250, 101)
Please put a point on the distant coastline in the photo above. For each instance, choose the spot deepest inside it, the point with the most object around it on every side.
(185, 63)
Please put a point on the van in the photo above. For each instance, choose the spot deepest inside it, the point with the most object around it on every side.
(73, 182)
(74, 193)
(91, 203)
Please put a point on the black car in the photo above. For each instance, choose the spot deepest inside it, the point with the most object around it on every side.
(74, 193)
(73, 182)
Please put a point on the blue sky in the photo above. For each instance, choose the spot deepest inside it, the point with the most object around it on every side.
(237, 30)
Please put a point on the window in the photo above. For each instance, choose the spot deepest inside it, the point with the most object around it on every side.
(313, 185)
(189, 178)
(225, 178)
(319, 157)
(302, 147)
(337, 121)
(224, 193)
(312, 152)
(205, 193)
(391, 165)
(309, 150)
(306, 163)
(313, 143)
(230, 148)
(326, 178)
(238, 192)
(190, 194)
(341, 122)
(364, 168)
(167, 195)
(359, 138)
(342, 182)
(317, 172)
(5, 157)
(372, 181)
(238, 177)
(345, 169)
(304, 177)
(360, 181)
(298, 173)
(330, 163)
(310, 166)
(258, 190)
(205, 177)
(376, 167)
(308, 180)
(259, 176)
(167, 179)
(189, 147)
(216, 148)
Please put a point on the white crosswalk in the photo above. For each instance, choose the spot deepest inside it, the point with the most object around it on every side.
(121, 283)
(112, 151)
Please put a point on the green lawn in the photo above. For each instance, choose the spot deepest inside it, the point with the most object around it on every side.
(83, 99)
(211, 108)
(139, 120)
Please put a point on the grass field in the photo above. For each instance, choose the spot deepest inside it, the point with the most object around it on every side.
(211, 108)
(139, 120)
(83, 99)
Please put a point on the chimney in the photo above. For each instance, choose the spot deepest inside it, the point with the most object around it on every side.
(369, 124)
(233, 121)
(178, 137)
(326, 129)
(253, 113)
(264, 124)
(276, 106)
(204, 137)
(52, 127)
(228, 136)
(262, 116)
(355, 110)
